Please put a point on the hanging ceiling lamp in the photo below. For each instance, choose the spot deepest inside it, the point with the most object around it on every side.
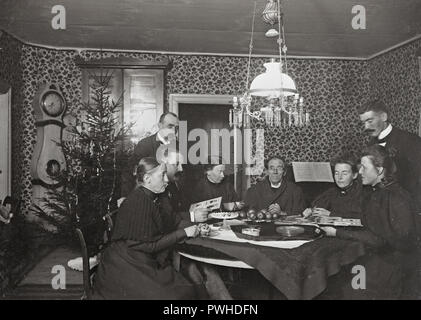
(273, 83)
(285, 107)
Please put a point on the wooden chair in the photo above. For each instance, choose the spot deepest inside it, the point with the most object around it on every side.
(103, 225)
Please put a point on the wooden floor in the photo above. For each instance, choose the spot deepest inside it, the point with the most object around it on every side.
(37, 284)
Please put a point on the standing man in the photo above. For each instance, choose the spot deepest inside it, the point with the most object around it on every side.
(405, 146)
(147, 147)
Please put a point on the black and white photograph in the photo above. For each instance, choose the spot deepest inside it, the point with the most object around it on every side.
(211, 155)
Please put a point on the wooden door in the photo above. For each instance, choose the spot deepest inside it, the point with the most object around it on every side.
(206, 117)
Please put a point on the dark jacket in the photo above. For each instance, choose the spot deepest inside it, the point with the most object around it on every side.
(406, 147)
(388, 234)
(345, 203)
(289, 196)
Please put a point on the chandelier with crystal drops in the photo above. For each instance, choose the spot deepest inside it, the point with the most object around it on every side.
(283, 105)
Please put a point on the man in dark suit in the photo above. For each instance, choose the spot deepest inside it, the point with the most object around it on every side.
(148, 147)
(405, 146)
(174, 193)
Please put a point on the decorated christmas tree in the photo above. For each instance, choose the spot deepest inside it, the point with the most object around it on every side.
(88, 188)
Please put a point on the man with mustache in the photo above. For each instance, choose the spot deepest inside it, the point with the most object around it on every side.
(405, 146)
(175, 193)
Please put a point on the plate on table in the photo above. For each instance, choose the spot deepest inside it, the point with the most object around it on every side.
(273, 232)
(224, 215)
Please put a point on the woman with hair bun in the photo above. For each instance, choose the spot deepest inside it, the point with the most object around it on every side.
(137, 264)
(388, 232)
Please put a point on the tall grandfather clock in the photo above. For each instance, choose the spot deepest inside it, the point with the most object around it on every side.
(48, 158)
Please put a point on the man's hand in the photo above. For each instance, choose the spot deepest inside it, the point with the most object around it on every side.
(330, 231)
(200, 214)
(192, 231)
(275, 208)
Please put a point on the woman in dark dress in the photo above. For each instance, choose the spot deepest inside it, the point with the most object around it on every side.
(388, 232)
(344, 199)
(214, 184)
(137, 264)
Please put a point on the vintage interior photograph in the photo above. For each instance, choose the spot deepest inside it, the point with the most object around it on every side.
(189, 150)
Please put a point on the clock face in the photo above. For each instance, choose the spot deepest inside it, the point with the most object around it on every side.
(52, 103)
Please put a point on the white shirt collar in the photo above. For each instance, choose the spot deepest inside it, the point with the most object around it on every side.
(385, 132)
(276, 186)
(165, 142)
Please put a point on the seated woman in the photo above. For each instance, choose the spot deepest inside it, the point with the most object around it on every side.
(275, 193)
(213, 184)
(344, 199)
(387, 216)
(137, 264)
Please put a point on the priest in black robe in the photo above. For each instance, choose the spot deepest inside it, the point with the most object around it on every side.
(137, 264)
(275, 193)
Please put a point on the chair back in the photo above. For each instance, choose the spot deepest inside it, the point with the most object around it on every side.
(87, 285)
(99, 232)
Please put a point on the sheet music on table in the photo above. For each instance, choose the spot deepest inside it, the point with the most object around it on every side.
(312, 172)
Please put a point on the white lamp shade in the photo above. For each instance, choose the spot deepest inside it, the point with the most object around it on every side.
(273, 83)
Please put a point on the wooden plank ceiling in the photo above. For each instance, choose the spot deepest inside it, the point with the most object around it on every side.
(313, 27)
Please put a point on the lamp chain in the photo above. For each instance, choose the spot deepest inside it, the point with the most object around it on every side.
(250, 48)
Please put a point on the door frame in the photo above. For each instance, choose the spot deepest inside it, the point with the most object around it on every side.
(6, 93)
(176, 99)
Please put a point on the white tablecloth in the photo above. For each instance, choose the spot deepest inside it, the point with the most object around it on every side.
(228, 235)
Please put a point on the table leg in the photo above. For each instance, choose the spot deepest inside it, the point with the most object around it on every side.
(176, 261)
(214, 284)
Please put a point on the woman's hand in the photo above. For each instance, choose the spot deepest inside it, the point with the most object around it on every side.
(330, 231)
(192, 231)
(307, 212)
(321, 211)
(201, 214)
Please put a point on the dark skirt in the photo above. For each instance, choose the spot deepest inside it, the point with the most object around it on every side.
(125, 273)
(382, 276)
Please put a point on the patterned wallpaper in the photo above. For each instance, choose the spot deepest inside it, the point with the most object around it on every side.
(332, 89)
(395, 78)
